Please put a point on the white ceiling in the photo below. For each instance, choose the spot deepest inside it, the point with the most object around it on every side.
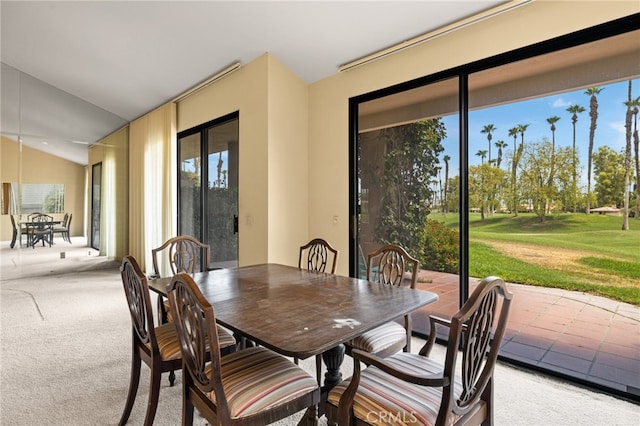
(73, 72)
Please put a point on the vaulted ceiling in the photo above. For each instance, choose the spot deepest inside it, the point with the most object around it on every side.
(73, 72)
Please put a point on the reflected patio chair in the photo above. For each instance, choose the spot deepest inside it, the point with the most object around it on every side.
(64, 227)
(18, 231)
(422, 390)
(254, 386)
(388, 265)
(40, 229)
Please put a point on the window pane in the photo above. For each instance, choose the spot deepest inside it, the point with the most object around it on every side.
(551, 184)
(190, 186)
(408, 156)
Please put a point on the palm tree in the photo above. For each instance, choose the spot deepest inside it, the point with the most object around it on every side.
(481, 153)
(446, 159)
(636, 142)
(514, 162)
(521, 128)
(500, 145)
(593, 113)
(488, 129)
(627, 159)
(574, 110)
(552, 122)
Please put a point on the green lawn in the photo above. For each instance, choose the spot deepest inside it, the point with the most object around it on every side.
(608, 259)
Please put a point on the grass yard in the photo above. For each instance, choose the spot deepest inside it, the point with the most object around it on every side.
(571, 251)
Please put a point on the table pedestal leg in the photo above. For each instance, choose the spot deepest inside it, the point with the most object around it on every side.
(333, 360)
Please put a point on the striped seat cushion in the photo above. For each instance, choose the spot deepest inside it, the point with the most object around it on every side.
(381, 338)
(382, 399)
(225, 337)
(168, 342)
(169, 345)
(257, 379)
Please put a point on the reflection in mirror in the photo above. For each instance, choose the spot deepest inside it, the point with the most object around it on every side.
(36, 197)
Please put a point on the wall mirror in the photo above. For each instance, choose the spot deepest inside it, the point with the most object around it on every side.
(32, 197)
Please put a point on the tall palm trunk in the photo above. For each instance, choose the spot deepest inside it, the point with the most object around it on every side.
(574, 120)
(593, 113)
(627, 161)
(636, 147)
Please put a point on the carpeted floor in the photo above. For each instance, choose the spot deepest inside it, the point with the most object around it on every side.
(66, 335)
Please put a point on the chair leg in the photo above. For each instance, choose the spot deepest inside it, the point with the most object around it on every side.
(487, 397)
(319, 369)
(187, 406)
(13, 239)
(154, 395)
(133, 389)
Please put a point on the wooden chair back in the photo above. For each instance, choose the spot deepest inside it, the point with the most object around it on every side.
(476, 333)
(218, 388)
(136, 290)
(184, 253)
(316, 255)
(465, 379)
(195, 323)
(389, 263)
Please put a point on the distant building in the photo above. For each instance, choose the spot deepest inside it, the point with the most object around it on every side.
(610, 211)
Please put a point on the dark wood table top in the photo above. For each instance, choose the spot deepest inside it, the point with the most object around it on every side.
(296, 312)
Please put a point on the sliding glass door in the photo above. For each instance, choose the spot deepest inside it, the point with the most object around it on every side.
(408, 183)
(524, 166)
(208, 187)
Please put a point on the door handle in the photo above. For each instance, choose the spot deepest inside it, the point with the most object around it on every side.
(235, 224)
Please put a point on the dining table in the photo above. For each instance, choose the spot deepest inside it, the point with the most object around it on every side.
(301, 313)
(35, 237)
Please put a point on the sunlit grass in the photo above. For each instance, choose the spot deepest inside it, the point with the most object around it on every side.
(600, 245)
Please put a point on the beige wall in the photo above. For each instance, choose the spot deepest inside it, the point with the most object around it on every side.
(38, 167)
(273, 154)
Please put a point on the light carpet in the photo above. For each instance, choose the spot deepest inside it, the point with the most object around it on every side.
(66, 357)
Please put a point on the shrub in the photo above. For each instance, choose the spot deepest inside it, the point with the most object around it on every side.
(440, 248)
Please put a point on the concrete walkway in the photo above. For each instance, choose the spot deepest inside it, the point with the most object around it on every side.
(588, 339)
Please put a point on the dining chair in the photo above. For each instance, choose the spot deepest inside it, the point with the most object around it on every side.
(185, 253)
(316, 255)
(158, 347)
(18, 231)
(253, 386)
(417, 389)
(182, 253)
(388, 265)
(63, 229)
(41, 229)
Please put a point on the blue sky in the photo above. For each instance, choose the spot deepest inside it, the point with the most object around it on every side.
(610, 130)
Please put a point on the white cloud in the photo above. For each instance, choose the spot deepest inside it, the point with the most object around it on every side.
(560, 103)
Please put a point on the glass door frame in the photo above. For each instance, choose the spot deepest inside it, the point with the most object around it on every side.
(201, 129)
(96, 202)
